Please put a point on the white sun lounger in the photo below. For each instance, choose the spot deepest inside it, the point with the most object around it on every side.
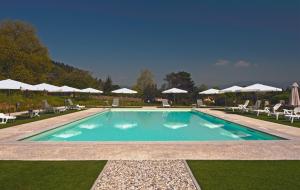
(165, 103)
(259, 111)
(4, 118)
(292, 114)
(255, 107)
(275, 111)
(72, 106)
(115, 102)
(200, 103)
(241, 107)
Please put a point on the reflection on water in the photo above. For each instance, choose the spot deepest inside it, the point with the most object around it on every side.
(68, 134)
(212, 125)
(125, 125)
(172, 125)
(235, 134)
(88, 126)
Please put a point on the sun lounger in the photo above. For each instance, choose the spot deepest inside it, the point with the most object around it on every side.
(115, 102)
(256, 106)
(241, 107)
(50, 109)
(5, 118)
(259, 111)
(33, 113)
(165, 103)
(200, 103)
(275, 111)
(292, 114)
(72, 106)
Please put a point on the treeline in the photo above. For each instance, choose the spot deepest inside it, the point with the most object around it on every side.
(24, 58)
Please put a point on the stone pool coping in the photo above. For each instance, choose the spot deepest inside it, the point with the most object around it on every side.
(11, 149)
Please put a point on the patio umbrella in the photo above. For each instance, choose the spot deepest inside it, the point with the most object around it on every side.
(91, 91)
(10, 84)
(256, 88)
(232, 89)
(47, 87)
(260, 88)
(124, 91)
(68, 89)
(211, 91)
(175, 91)
(294, 97)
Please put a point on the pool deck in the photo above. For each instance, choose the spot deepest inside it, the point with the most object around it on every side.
(11, 149)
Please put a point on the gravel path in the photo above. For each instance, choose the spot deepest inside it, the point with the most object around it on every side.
(146, 175)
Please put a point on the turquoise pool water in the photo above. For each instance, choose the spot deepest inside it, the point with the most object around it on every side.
(152, 126)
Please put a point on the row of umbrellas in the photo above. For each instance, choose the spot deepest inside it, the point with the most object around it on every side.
(294, 99)
(10, 84)
(252, 88)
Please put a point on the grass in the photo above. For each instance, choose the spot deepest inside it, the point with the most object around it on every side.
(246, 175)
(22, 119)
(49, 175)
(264, 117)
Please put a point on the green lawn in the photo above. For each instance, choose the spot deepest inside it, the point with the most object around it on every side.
(247, 175)
(264, 117)
(21, 119)
(49, 175)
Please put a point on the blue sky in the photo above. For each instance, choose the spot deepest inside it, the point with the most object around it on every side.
(219, 42)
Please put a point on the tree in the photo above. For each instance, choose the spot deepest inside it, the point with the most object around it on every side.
(180, 80)
(146, 86)
(108, 85)
(22, 56)
(183, 81)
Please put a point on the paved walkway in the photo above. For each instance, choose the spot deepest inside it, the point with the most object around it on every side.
(11, 149)
(146, 175)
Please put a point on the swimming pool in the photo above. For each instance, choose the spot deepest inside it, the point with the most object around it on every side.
(152, 125)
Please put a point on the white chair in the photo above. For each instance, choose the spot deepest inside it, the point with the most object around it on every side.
(115, 102)
(165, 103)
(74, 107)
(275, 111)
(265, 110)
(4, 118)
(241, 107)
(292, 114)
(200, 103)
(255, 107)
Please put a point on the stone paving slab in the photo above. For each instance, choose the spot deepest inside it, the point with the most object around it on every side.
(145, 175)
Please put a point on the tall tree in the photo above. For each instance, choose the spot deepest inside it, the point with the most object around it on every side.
(180, 80)
(145, 85)
(108, 85)
(22, 56)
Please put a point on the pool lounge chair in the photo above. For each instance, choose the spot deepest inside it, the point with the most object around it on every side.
(275, 111)
(5, 118)
(165, 103)
(292, 114)
(255, 107)
(72, 106)
(47, 108)
(115, 102)
(259, 111)
(241, 107)
(200, 103)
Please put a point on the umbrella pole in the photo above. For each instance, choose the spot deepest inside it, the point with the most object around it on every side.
(9, 102)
